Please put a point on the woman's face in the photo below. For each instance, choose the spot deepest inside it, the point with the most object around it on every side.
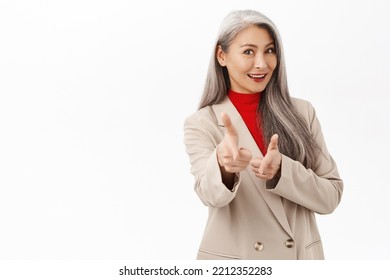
(250, 60)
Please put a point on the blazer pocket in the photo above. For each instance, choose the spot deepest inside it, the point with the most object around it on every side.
(208, 255)
(314, 251)
(312, 244)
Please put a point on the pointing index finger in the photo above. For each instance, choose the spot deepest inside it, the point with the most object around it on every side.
(228, 124)
(231, 133)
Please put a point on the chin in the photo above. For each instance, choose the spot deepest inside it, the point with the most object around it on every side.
(258, 90)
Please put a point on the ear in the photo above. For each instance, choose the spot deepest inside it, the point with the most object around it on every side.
(221, 56)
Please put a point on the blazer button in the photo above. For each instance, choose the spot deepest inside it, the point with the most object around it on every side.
(259, 246)
(289, 243)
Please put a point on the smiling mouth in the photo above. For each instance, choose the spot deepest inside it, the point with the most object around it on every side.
(257, 76)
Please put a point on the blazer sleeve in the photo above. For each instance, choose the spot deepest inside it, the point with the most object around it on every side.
(201, 136)
(318, 189)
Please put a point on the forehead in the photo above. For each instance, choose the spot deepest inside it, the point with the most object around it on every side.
(253, 35)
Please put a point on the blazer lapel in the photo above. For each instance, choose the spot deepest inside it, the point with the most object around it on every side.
(246, 140)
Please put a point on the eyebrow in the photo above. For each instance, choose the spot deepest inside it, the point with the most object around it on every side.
(255, 46)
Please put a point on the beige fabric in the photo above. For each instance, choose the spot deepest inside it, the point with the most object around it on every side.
(274, 218)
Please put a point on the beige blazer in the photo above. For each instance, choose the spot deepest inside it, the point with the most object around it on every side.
(253, 221)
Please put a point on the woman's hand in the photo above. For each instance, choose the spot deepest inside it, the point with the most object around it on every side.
(269, 166)
(232, 158)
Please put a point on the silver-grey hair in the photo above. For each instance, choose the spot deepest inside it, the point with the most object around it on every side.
(275, 111)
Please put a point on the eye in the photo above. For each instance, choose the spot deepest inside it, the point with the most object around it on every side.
(270, 50)
(248, 52)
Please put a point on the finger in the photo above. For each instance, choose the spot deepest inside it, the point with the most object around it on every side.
(245, 155)
(230, 129)
(260, 173)
(235, 166)
(273, 144)
(234, 169)
(255, 170)
(255, 163)
(235, 152)
(228, 149)
(229, 161)
(264, 166)
(262, 176)
(232, 146)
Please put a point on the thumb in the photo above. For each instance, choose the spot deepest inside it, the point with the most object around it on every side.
(228, 124)
(273, 144)
(245, 154)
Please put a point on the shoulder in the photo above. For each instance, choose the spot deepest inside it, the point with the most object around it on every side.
(202, 118)
(206, 113)
(301, 104)
(304, 108)
(201, 128)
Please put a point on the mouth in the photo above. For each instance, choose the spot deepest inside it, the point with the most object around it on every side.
(257, 76)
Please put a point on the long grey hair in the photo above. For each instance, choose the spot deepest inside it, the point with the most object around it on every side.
(276, 112)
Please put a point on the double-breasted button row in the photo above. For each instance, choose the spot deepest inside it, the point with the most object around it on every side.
(260, 246)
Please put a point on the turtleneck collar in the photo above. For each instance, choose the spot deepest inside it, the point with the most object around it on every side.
(246, 105)
(245, 101)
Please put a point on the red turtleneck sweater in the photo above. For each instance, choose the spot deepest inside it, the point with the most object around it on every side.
(246, 105)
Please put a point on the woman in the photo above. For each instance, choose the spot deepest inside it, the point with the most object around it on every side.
(258, 155)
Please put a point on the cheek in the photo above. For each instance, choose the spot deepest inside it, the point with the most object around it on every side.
(240, 65)
(238, 71)
(272, 63)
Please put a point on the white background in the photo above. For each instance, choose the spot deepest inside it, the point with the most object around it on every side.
(93, 96)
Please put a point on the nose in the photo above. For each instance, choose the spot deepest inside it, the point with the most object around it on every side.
(260, 62)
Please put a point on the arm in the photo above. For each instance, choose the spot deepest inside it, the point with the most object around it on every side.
(320, 189)
(214, 165)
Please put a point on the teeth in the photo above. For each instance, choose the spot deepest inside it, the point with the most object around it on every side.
(257, 76)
